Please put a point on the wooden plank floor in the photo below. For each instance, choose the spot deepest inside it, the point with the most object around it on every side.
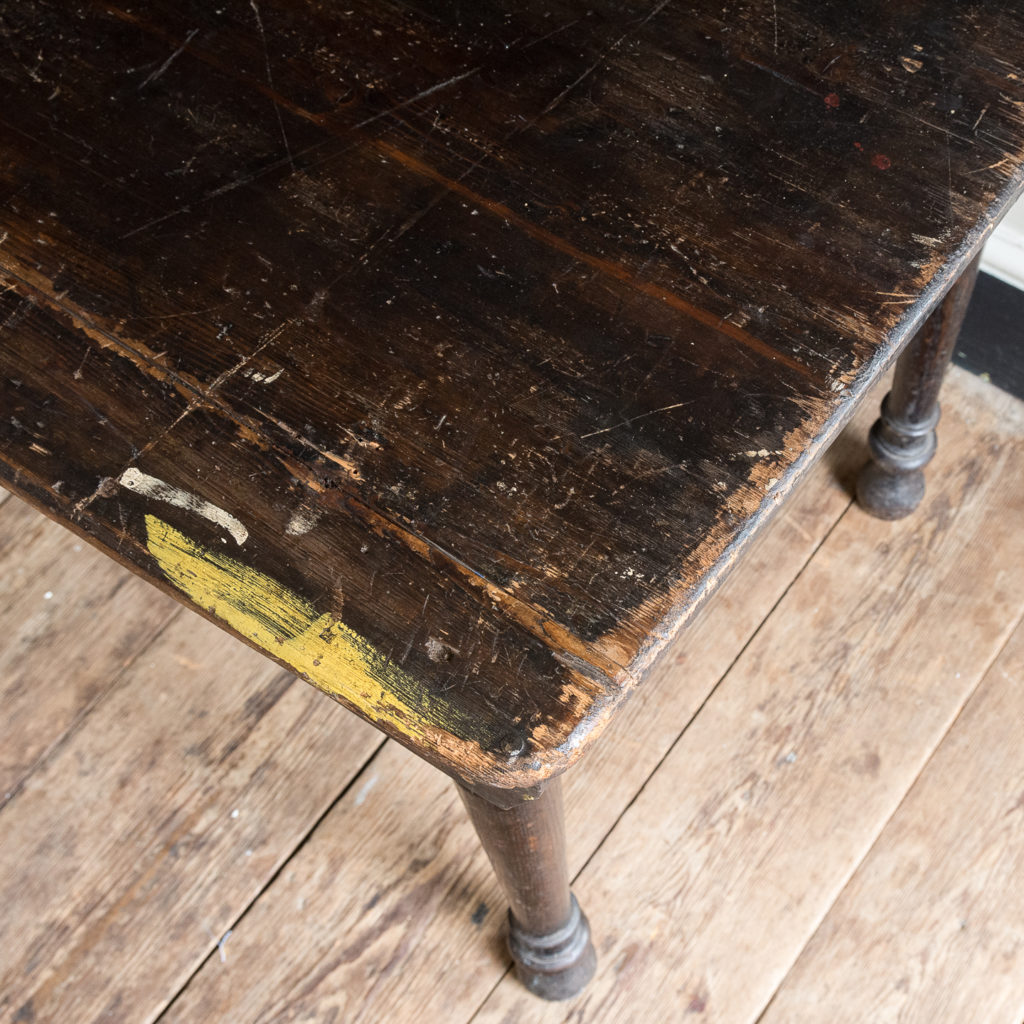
(823, 820)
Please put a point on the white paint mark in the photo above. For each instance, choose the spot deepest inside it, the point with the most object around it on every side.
(48, 595)
(364, 791)
(142, 483)
(220, 946)
(234, 813)
(302, 521)
(264, 378)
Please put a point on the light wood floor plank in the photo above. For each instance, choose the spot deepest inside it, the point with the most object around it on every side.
(71, 620)
(401, 918)
(707, 890)
(130, 852)
(930, 930)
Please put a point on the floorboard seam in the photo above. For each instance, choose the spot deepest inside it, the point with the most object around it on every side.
(982, 676)
(714, 689)
(274, 875)
(80, 719)
(721, 679)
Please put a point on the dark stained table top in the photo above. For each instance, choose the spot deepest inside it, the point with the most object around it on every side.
(450, 352)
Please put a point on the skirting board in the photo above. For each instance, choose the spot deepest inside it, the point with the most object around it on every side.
(1004, 253)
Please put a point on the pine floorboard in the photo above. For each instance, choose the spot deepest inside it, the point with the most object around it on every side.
(789, 823)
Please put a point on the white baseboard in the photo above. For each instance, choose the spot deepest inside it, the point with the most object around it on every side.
(1004, 252)
(1004, 256)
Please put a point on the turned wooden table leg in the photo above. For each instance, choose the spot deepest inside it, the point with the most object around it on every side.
(524, 836)
(903, 440)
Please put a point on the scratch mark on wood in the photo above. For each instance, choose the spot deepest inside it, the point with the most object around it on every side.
(270, 82)
(287, 160)
(170, 60)
(302, 521)
(632, 419)
(264, 378)
(419, 96)
(603, 57)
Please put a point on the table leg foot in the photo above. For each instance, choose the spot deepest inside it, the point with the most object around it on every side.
(902, 440)
(891, 485)
(557, 965)
(523, 833)
(889, 495)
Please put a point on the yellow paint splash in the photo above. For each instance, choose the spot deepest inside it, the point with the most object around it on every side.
(325, 651)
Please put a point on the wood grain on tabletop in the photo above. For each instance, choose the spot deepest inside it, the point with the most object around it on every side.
(493, 332)
(129, 853)
(937, 904)
(738, 846)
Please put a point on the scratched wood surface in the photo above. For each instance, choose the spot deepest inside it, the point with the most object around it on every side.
(382, 907)
(458, 906)
(451, 357)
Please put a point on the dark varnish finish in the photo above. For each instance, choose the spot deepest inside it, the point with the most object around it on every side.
(498, 331)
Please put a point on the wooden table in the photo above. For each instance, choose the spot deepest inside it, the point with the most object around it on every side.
(451, 355)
